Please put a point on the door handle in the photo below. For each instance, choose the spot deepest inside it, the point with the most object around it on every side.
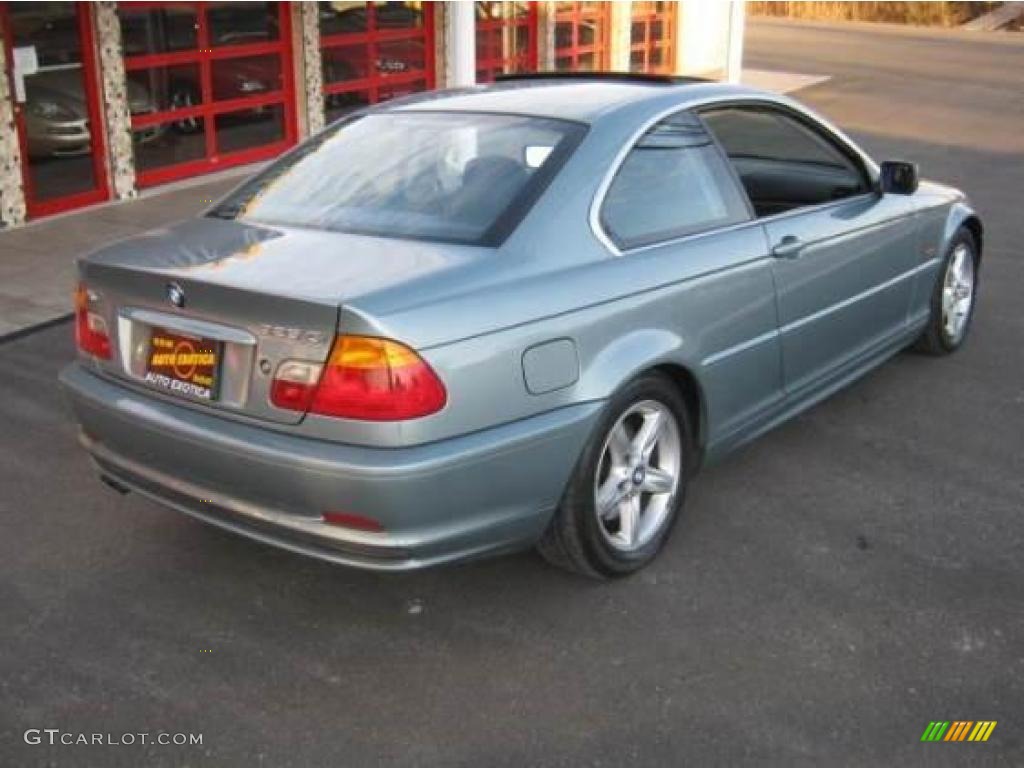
(789, 247)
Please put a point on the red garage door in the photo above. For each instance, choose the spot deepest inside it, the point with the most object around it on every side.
(506, 39)
(210, 85)
(582, 34)
(652, 37)
(374, 51)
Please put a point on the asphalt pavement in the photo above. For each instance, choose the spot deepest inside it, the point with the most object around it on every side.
(834, 587)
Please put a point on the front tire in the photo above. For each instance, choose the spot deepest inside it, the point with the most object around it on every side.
(953, 300)
(629, 484)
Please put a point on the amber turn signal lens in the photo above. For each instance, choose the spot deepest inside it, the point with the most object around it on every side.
(377, 380)
(364, 378)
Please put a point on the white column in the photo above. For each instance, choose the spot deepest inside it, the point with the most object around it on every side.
(114, 89)
(440, 43)
(710, 39)
(12, 193)
(737, 23)
(308, 64)
(620, 39)
(460, 34)
(546, 36)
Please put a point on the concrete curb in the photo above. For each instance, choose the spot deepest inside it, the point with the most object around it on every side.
(30, 329)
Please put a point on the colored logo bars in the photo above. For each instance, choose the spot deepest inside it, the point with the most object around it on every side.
(959, 730)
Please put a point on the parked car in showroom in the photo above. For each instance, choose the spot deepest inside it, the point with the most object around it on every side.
(56, 116)
(526, 314)
(55, 112)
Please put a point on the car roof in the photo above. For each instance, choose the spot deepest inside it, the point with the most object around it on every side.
(581, 98)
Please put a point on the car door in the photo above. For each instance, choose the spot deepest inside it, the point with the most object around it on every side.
(843, 254)
(675, 210)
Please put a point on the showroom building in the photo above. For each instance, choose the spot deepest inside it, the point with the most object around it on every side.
(103, 100)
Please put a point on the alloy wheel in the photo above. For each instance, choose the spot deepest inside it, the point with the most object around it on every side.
(957, 294)
(637, 475)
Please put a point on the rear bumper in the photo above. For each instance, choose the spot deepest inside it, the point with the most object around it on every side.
(472, 495)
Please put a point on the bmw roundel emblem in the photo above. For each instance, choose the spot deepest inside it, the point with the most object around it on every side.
(176, 295)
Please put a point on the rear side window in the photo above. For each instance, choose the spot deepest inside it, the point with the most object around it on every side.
(673, 182)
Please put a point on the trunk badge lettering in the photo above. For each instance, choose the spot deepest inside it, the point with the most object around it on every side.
(299, 335)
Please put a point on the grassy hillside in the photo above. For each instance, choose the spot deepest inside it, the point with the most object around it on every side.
(942, 14)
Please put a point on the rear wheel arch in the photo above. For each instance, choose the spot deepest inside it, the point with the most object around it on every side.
(689, 387)
(644, 351)
(693, 395)
(580, 534)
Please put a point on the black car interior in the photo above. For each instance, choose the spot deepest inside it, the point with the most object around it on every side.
(782, 163)
(488, 185)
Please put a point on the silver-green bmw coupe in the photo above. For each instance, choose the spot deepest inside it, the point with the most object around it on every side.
(523, 314)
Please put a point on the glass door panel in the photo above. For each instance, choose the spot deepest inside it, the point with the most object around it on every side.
(582, 32)
(213, 82)
(506, 39)
(56, 104)
(373, 52)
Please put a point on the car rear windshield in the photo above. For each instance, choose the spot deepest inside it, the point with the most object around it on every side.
(460, 177)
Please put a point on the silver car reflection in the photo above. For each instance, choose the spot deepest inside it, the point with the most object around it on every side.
(57, 117)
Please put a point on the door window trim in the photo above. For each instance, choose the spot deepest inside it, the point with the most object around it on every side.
(697, 106)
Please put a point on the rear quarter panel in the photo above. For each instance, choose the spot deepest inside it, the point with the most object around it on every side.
(693, 303)
(681, 304)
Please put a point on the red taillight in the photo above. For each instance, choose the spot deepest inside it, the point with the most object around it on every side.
(90, 327)
(348, 520)
(364, 378)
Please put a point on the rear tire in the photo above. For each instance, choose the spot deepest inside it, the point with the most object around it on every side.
(635, 468)
(953, 299)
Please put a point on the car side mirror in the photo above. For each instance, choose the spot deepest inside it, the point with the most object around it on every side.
(898, 177)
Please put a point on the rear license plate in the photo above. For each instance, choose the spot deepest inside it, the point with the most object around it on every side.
(183, 365)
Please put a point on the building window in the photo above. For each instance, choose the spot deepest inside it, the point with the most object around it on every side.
(506, 39)
(62, 159)
(209, 85)
(582, 32)
(374, 51)
(652, 37)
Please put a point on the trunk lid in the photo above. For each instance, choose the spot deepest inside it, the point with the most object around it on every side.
(264, 294)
